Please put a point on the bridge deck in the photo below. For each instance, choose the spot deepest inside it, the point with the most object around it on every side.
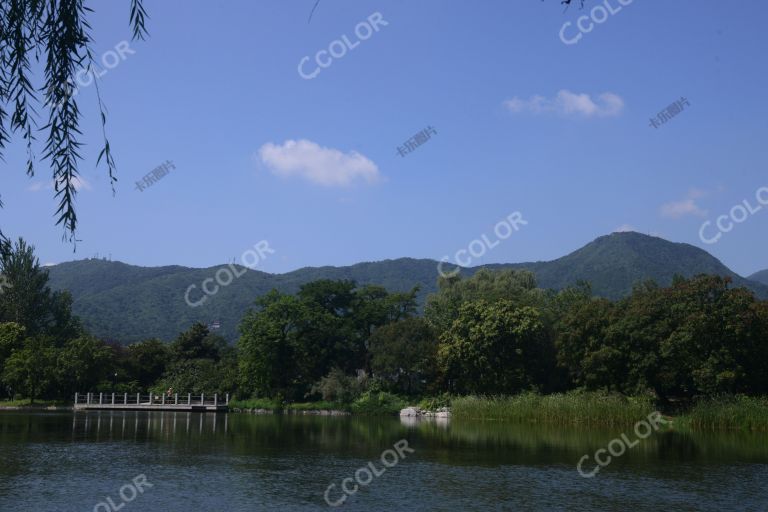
(139, 402)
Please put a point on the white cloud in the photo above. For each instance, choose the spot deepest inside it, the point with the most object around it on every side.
(697, 193)
(79, 182)
(624, 228)
(568, 103)
(678, 209)
(685, 207)
(37, 186)
(324, 166)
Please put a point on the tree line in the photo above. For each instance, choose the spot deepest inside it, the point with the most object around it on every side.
(493, 333)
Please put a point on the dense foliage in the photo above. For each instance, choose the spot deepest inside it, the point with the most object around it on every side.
(130, 304)
(364, 348)
(291, 341)
(698, 337)
(497, 333)
(45, 352)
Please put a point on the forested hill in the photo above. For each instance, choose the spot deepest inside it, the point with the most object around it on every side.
(128, 303)
(760, 277)
(614, 263)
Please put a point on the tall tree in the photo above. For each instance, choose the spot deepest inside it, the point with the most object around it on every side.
(147, 361)
(290, 342)
(82, 364)
(26, 298)
(31, 370)
(517, 286)
(696, 337)
(582, 348)
(404, 355)
(197, 342)
(494, 348)
(267, 347)
(11, 338)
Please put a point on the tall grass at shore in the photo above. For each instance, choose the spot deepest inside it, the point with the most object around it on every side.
(576, 408)
(256, 403)
(727, 413)
(26, 402)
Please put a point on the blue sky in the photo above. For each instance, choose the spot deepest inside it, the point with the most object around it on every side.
(524, 122)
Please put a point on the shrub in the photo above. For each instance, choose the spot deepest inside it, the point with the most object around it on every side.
(338, 387)
(256, 403)
(315, 406)
(378, 403)
(436, 402)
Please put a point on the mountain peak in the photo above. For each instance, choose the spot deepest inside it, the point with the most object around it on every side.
(131, 303)
(614, 263)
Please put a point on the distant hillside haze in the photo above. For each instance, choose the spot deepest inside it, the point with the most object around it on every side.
(760, 277)
(128, 303)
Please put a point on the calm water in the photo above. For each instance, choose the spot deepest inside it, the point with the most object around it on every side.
(203, 462)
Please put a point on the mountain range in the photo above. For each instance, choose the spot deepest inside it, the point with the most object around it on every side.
(128, 303)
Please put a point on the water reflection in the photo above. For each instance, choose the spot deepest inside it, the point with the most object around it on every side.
(135, 425)
(454, 442)
(288, 461)
(449, 441)
(415, 421)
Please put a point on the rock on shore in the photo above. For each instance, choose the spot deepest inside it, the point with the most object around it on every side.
(415, 412)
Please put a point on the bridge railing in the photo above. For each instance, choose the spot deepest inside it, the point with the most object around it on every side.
(140, 399)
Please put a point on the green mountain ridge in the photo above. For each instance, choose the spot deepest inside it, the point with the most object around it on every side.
(614, 263)
(127, 303)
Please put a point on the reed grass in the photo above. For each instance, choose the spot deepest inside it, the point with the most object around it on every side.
(574, 408)
(727, 413)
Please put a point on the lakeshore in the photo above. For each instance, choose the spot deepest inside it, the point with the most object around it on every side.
(585, 410)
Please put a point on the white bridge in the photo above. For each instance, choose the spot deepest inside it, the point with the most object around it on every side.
(152, 402)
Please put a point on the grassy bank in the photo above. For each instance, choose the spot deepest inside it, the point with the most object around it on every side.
(583, 409)
(608, 410)
(370, 403)
(726, 413)
(38, 404)
(275, 405)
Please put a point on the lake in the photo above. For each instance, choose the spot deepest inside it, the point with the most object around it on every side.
(165, 461)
